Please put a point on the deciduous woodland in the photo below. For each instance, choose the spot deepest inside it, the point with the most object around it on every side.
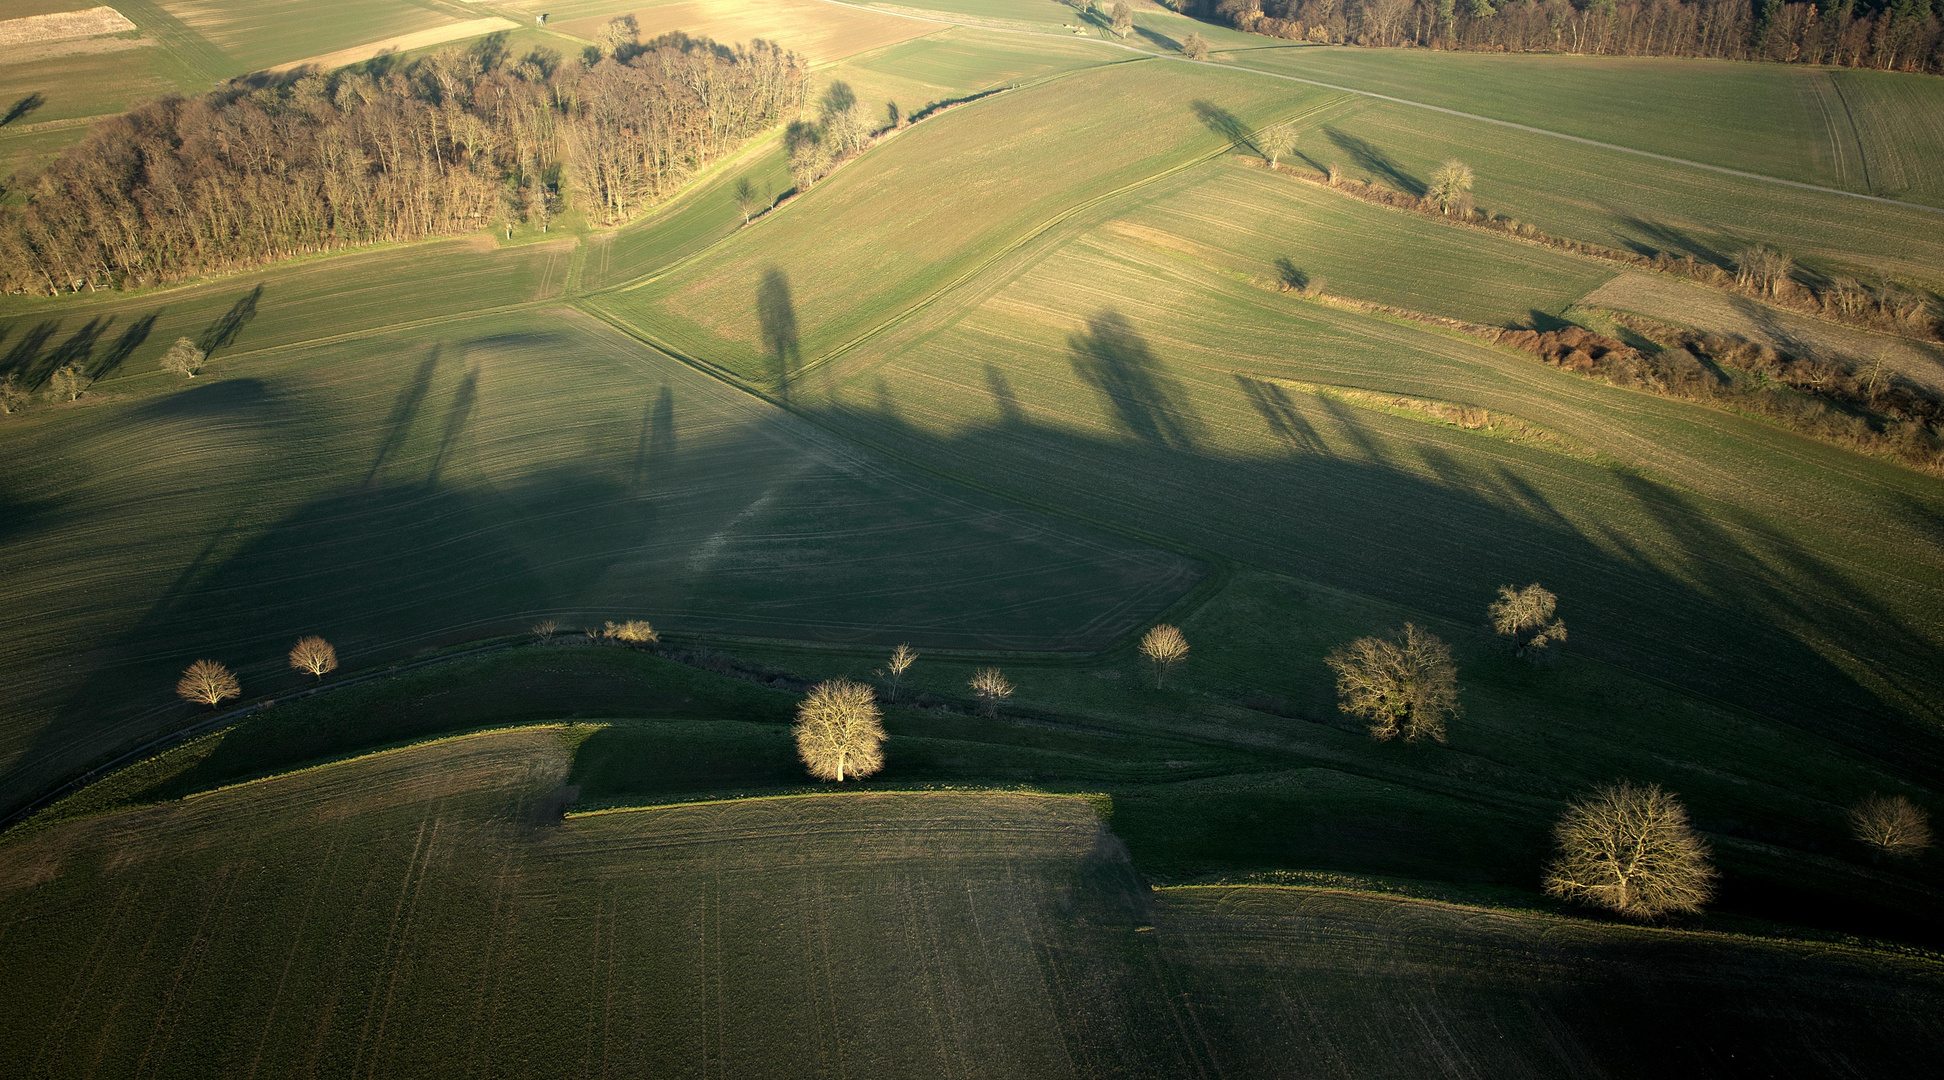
(182, 187)
(1895, 35)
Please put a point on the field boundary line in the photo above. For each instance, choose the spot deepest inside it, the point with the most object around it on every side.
(1867, 946)
(1019, 244)
(858, 793)
(1723, 169)
(1220, 567)
(208, 724)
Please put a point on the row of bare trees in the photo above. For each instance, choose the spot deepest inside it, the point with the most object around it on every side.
(1894, 35)
(209, 682)
(456, 142)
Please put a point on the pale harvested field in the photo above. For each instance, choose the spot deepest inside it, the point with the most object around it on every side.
(417, 913)
(63, 26)
(819, 31)
(1683, 303)
(438, 35)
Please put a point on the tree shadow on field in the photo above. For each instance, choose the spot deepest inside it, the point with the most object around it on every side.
(130, 340)
(224, 330)
(657, 438)
(1661, 238)
(1157, 38)
(398, 426)
(1375, 160)
(1118, 364)
(1225, 123)
(1285, 420)
(458, 415)
(1003, 396)
(23, 107)
(776, 317)
(1289, 275)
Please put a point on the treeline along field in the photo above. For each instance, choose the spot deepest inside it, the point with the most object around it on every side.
(460, 141)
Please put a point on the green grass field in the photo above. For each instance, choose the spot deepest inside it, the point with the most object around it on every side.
(1860, 131)
(1014, 384)
(426, 910)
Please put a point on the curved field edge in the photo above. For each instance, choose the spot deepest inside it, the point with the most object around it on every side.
(427, 909)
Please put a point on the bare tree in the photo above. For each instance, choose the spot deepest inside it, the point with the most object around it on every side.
(839, 731)
(1123, 18)
(1163, 647)
(184, 358)
(619, 35)
(1196, 47)
(1451, 185)
(901, 660)
(313, 655)
(13, 396)
(67, 383)
(1762, 269)
(1892, 824)
(545, 629)
(1403, 687)
(207, 682)
(1629, 849)
(1526, 616)
(992, 689)
(632, 632)
(1275, 141)
(747, 200)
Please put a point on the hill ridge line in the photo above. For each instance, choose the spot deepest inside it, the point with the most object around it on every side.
(1723, 169)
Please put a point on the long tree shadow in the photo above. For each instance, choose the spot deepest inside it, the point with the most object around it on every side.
(398, 426)
(1225, 123)
(1149, 404)
(458, 415)
(657, 439)
(1285, 420)
(777, 319)
(125, 345)
(227, 326)
(1375, 160)
(23, 107)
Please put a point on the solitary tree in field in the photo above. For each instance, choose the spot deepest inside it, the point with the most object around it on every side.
(1123, 18)
(1451, 185)
(1892, 824)
(992, 688)
(183, 358)
(207, 682)
(839, 732)
(1404, 687)
(1526, 616)
(1275, 141)
(632, 632)
(1163, 647)
(901, 660)
(1195, 48)
(1629, 849)
(67, 383)
(545, 629)
(314, 656)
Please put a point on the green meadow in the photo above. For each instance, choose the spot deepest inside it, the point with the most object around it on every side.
(1011, 386)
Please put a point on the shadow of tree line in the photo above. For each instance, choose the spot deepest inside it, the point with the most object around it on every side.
(32, 360)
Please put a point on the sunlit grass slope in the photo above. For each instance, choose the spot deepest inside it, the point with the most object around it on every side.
(1880, 133)
(425, 911)
(935, 203)
(819, 32)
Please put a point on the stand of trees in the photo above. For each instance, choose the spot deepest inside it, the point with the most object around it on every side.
(456, 142)
(1894, 35)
